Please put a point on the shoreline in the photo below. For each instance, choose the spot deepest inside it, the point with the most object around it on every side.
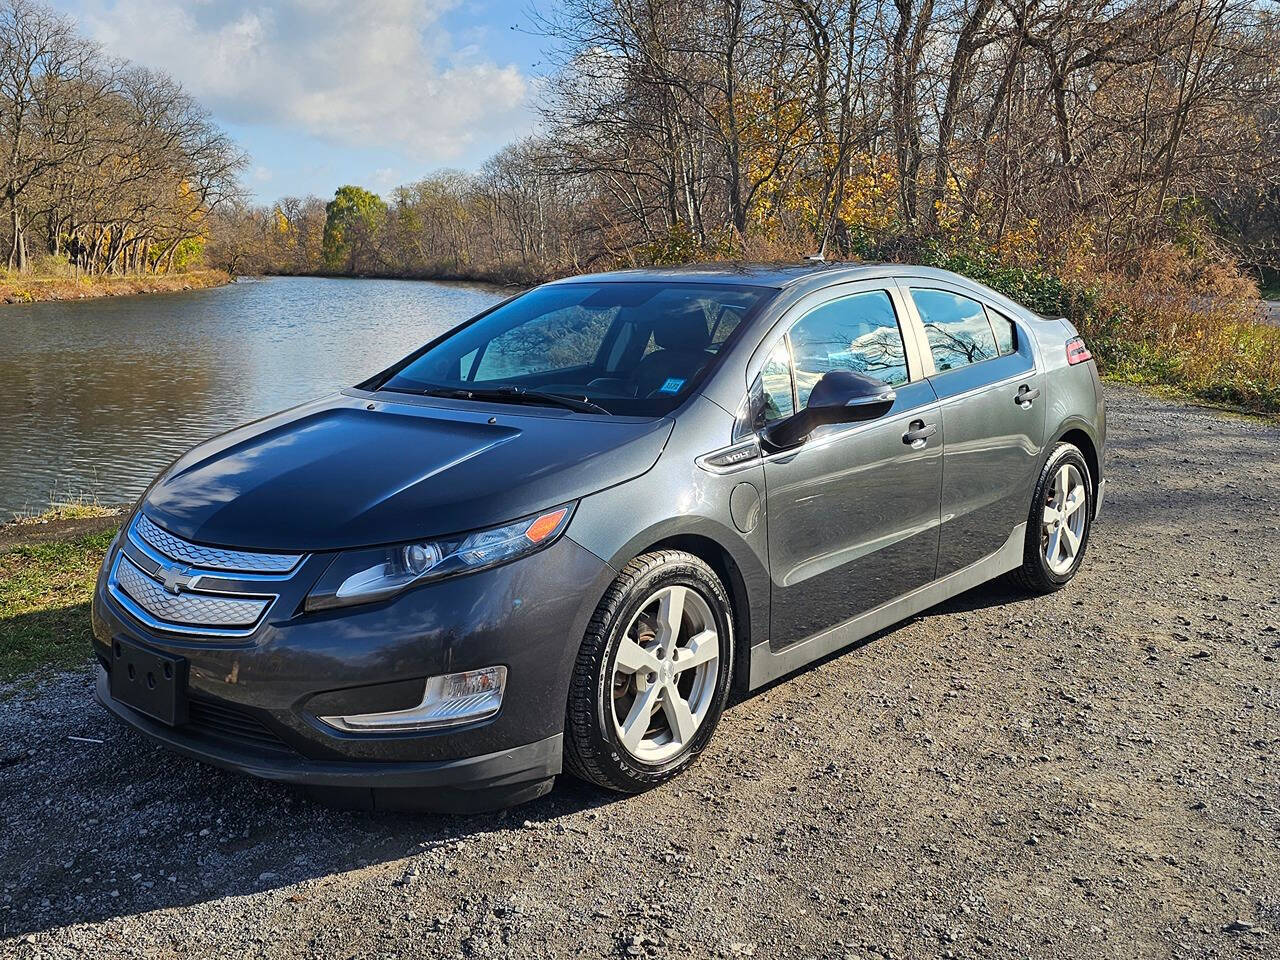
(67, 522)
(511, 276)
(19, 289)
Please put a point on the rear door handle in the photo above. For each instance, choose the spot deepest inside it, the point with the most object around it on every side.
(918, 434)
(1025, 396)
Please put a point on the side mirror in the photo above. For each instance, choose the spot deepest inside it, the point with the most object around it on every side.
(841, 396)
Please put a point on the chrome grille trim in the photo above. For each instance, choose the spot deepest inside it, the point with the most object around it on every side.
(211, 558)
(187, 609)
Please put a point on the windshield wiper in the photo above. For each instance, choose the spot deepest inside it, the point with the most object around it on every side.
(514, 394)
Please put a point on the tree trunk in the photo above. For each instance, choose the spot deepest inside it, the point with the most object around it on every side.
(960, 77)
(18, 246)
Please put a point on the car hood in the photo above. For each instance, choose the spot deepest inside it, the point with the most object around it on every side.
(355, 470)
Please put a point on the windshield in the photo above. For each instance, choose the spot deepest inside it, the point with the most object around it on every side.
(628, 348)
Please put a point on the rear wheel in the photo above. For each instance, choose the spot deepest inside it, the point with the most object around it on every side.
(1060, 521)
(652, 675)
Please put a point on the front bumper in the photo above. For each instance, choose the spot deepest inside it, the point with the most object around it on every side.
(254, 700)
(467, 784)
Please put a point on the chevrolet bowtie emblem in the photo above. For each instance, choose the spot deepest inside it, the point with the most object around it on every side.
(177, 579)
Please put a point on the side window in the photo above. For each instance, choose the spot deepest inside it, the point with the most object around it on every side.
(858, 333)
(1006, 332)
(775, 385)
(957, 327)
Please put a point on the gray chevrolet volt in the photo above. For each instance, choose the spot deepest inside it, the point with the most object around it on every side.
(557, 536)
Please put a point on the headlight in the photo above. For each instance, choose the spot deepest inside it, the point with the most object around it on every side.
(363, 576)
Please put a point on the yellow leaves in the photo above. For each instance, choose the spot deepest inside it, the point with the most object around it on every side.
(869, 202)
(771, 126)
(678, 246)
(1019, 244)
(281, 221)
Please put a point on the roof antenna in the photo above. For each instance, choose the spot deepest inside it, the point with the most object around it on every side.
(821, 255)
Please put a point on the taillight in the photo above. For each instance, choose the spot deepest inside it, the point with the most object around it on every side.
(1077, 352)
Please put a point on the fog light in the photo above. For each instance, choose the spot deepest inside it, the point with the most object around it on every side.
(448, 700)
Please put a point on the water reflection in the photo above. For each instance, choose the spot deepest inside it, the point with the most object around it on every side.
(100, 395)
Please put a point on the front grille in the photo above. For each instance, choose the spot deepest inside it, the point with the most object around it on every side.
(186, 609)
(170, 584)
(229, 723)
(212, 558)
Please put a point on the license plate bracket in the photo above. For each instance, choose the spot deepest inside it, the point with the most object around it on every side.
(149, 681)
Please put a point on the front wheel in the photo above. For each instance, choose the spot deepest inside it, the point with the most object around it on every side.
(653, 673)
(1060, 521)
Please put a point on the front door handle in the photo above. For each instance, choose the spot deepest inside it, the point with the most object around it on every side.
(1025, 396)
(918, 434)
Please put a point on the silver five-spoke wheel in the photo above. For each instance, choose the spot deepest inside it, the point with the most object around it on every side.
(664, 676)
(1064, 519)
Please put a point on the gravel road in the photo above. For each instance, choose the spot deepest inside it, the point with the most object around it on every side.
(1090, 774)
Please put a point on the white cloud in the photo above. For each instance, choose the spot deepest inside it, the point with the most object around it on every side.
(355, 72)
(384, 179)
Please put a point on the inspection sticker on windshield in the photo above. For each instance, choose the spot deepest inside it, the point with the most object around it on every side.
(672, 385)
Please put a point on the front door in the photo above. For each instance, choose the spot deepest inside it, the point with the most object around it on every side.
(853, 513)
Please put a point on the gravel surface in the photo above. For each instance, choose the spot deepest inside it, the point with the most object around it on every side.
(1088, 774)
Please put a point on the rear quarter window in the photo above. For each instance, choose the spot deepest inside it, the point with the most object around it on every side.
(1006, 332)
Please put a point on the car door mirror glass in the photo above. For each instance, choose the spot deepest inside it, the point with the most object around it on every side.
(839, 396)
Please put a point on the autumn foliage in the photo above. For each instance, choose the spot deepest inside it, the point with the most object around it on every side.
(1114, 160)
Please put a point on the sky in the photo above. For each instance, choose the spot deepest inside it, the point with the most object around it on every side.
(321, 93)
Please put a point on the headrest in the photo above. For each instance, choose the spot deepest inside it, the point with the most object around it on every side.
(684, 329)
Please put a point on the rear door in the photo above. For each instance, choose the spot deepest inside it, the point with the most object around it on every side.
(853, 513)
(985, 373)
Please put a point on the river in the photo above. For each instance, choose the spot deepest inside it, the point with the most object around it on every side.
(99, 395)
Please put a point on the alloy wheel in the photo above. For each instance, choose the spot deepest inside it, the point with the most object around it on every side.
(1062, 534)
(664, 674)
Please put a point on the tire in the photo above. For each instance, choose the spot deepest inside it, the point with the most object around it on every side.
(1037, 573)
(612, 685)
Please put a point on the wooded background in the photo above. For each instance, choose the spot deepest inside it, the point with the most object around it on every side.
(104, 166)
(1114, 160)
(1068, 132)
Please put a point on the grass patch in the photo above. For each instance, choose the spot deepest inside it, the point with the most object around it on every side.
(76, 510)
(45, 590)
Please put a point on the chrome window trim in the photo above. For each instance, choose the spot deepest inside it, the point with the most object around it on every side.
(905, 286)
(904, 313)
(915, 340)
(838, 291)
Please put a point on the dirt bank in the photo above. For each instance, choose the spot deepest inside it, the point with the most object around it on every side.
(24, 289)
(1091, 774)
